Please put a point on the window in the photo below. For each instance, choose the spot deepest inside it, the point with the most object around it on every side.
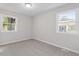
(66, 22)
(8, 24)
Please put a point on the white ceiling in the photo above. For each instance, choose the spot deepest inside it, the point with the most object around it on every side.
(36, 7)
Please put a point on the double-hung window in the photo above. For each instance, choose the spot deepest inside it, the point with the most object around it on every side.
(7, 24)
(66, 22)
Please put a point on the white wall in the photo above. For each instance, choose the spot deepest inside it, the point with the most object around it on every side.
(24, 26)
(45, 29)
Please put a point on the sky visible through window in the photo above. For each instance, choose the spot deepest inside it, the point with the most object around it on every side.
(68, 15)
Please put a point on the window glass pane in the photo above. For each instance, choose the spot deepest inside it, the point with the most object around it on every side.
(5, 26)
(66, 21)
(5, 20)
(8, 24)
(11, 27)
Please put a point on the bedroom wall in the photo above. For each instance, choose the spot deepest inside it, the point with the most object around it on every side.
(45, 29)
(24, 25)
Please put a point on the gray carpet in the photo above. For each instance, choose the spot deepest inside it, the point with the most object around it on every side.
(33, 48)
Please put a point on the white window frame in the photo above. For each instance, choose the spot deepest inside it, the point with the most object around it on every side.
(1, 24)
(59, 13)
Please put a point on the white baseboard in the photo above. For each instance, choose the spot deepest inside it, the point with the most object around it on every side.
(13, 41)
(64, 48)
